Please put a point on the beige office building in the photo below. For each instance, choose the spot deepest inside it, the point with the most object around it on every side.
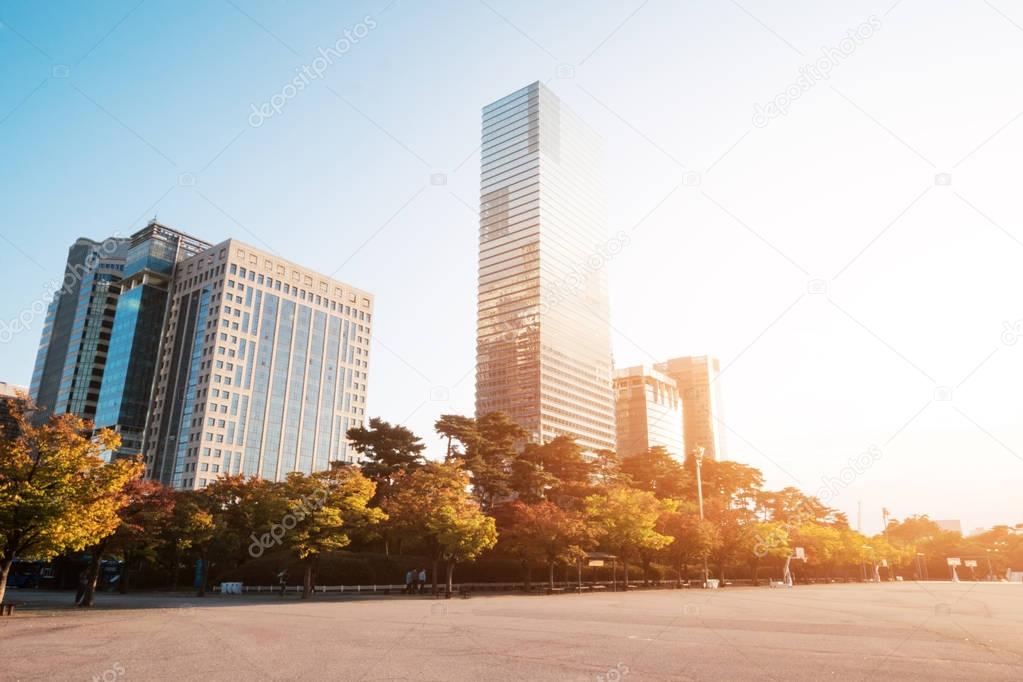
(262, 369)
(696, 378)
(648, 409)
(543, 352)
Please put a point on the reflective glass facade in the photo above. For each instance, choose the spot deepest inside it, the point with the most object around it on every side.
(648, 409)
(698, 385)
(543, 339)
(127, 386)
(76, 335)
(262, 371)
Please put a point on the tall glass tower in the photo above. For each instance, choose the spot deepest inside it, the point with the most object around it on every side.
(125, 392)
(543, 347)
(76, 334)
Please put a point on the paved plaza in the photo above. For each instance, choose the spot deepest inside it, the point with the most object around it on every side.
(903, 631)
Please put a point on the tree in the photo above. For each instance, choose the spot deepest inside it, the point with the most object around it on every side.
(455, 427)
(141, 528)
(387, 450)
(625, 521)
(544, 532)
(656, 471)
(759, 540)
(195, 529)
(56, 493)
(432, 506)
(556, 470)
(463, 532)
(694, 539)
(324, 511)
(488, 450)
(607, 468)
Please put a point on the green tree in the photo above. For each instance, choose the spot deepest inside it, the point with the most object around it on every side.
(324, 511)
(387, 451)
(455, 427)
(656, 471)
(56, 493)
(431, 506)
(625, 521)
(694, 539)
(556, 470)
(487, 449)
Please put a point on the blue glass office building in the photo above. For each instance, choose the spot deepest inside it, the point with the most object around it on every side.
(126, 391)
(76, 335)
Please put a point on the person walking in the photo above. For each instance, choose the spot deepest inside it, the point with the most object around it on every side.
(408, 581)
(282, 580)
(422, 580)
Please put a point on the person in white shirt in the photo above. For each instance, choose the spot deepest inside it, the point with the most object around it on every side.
(422, 580)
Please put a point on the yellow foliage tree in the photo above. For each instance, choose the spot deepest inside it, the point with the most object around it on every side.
(56, 493)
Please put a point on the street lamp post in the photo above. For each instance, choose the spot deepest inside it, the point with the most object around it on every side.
(698, 457)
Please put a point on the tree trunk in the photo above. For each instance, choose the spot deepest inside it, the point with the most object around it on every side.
(550, 575)
(529, 575)
(5, 569)
(93, 576)
(451, 572)
(307, 580)
(625, 574)
(436, 565)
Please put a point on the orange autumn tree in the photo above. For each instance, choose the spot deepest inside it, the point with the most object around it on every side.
(56, 493)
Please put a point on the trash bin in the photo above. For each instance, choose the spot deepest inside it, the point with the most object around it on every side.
(713, 583)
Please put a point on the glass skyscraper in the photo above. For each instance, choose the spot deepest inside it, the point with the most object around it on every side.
(262, 369)
(77, 331)
(127, 386)
(543, 338)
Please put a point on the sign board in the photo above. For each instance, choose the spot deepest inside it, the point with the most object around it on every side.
(970, 563)
(595, 562)
(801, 553)
(954, 561)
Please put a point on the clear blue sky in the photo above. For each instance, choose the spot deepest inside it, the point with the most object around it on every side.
(109, 110)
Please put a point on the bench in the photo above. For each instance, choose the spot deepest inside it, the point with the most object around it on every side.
(6, 609)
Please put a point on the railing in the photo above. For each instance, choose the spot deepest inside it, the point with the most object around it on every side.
(536, 586)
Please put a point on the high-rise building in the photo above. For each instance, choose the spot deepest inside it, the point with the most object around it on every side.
(697, 380)
(262, 369)
(76, 334)
(126, 391)
(543, 351)
(648, 410)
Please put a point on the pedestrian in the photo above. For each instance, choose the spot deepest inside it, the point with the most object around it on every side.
(83, 583)
(408, 582)
(282, 580)
(422, 580)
